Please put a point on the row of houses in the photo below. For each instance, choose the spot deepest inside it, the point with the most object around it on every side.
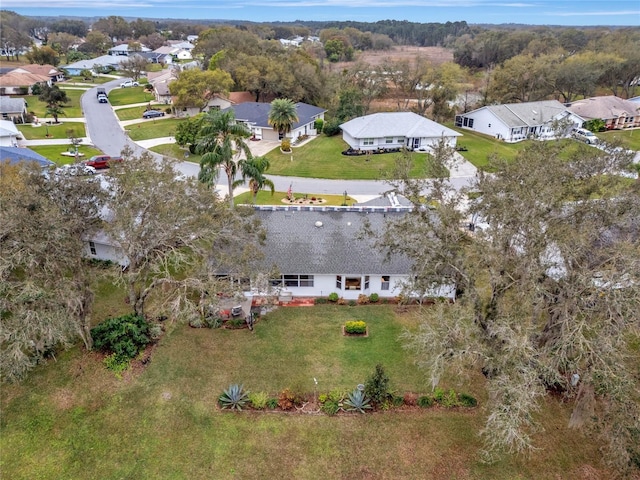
(545, 119)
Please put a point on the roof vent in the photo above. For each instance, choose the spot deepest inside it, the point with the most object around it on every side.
(318, 224)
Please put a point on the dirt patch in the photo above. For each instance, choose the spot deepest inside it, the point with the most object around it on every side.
(436, 55)
(63, 399)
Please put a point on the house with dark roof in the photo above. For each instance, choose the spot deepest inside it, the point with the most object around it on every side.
(13, 108)
(515, 122)
(322, 250)
(15, 155)
(393, 130)
(616, 112)
(256, 116)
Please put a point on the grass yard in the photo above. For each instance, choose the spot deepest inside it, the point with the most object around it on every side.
(126, 96)
(95, 80)
(57, 131)
(156, 128)
(480, 148)
(73, 419)
(265, 198)
(322, 158)
(53, 153)
(135, 113)
(175, 151)
(630, 138)
(72, 108)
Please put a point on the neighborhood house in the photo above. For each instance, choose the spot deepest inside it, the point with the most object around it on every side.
(515, 122)
(394, 130)
(616, 112)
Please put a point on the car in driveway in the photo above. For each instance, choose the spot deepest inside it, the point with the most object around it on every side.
(129, 83)
(152, 114)
(76, 169)
(586, 136)
(100, 162)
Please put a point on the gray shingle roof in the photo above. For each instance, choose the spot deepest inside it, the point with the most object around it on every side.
(18, 155)
(258, 113)
(297, 246)
(396, 124)
(12, 105)
(527, 114)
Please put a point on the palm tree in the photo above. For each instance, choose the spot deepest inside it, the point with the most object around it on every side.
(282, 115)
(220, 141)
(254, 169)
(54, 111)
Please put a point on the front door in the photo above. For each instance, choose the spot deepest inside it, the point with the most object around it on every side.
(416, 143)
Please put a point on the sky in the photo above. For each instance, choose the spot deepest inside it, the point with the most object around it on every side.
(531, 12)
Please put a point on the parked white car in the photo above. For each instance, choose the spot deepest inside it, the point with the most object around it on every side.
(586, 136)
(129, 83)
(76, 169)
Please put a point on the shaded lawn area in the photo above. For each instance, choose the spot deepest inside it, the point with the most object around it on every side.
(265, 198)
(125, 96)
(57, 131)
(53, 153)
(629, 138)
(156, 128)
(173, 150)
(72, 108)
(73, 419)
(322, 158)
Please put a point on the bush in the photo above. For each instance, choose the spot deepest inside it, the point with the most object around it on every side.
(446, 399)
(342, 301)
(321, 300)
(318, 124)
(352, 303)
(287, 399)
(233, 397)
(373, 298)
(355, 327)
(259, 400)
(425, 401)
(272, 403)
(377, 386)
(357, 401)
(333, 297)
(116, 364)
(363, 299)
(123, 336)
(330, 407)
(466, 400)
(331, 127)
(285, 145)
(336, 396)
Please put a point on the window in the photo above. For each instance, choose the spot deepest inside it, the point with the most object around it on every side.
(298, 280)
(339, 282)
(489, 125)
(366, 282)
(92, 247)
(388, 140)
(367, 141)
(384, 285)
(458, 121)
(471, 123)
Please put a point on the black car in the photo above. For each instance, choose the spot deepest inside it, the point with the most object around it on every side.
(152, 114)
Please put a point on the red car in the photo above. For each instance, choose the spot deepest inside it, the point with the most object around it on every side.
(102, 161)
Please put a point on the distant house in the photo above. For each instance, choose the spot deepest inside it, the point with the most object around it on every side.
(292, 42)
(101, 247)
(256, 116)
(9, 134)
(154, 57)
(16, 155)
(319, 252)
(616, 112)
(52, 72)
(20, 82)
(92, 64)
(13, 108)
(181, 44)
(124, 50)
(515, 122)
(393, 130)
(160, 82)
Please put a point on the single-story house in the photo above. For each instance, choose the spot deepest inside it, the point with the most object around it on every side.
(393, 130)
(12, 108)
(181, 44)
(20, 82)
(123, 49)
(318, 251)
(515, 122)
(52, 72)
(616, 112)
(101, 247)
(154, 57)
(256, 116)
(16, 155)
(160, 82)
(102, 61)
(9, 134)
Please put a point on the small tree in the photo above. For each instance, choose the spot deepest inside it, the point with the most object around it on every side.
(377, 386)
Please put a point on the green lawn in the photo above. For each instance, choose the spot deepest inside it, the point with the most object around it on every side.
(53, 152)
(480, 148)
(156, 128)
(96, 80)
(133, 113)
(630, 138)
(73, 419)
(54, 131)
(322, 158)
(126, 96)
(72, 109)
(175, 151)
(265, 198)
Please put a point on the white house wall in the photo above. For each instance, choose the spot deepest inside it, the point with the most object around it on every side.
(484, 121)
(103, 251)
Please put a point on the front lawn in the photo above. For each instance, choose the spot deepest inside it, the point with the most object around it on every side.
(173, 150)
(126, 96)
(135, 113)
(73, 419)
(54, 153)
(629, 138)
(156, 128)
(480, 148)
(57, 131)
(322, 158)
(72, 108)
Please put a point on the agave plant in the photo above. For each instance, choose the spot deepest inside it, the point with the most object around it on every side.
(357, 401)
(234, 397)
